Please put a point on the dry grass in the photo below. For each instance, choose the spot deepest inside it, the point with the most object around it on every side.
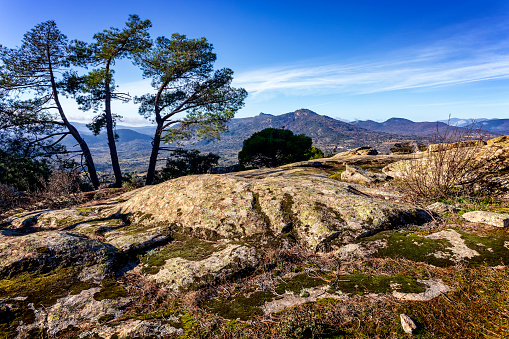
(478, 308)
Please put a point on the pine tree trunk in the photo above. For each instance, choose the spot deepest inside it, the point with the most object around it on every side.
(111, 135)
(86, 153)
(74, 132)
(153, 156)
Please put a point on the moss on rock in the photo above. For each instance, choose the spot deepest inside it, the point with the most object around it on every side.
(11, 316)
(110, 290)
(239, 307)
(43, 289)
(412, 247)
(493, 248)
(297, 283)
(367, 283)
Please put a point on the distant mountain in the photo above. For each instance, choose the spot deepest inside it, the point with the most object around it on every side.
(500, 126)
(402, 126)
(461, 122)
(330, 135)
(422, 129)
(148, 130)
(327, 133)
(124, 136)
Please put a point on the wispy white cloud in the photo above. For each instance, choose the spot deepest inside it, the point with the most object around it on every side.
(464, 57)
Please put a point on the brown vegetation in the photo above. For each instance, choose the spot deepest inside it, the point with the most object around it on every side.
(454, 162)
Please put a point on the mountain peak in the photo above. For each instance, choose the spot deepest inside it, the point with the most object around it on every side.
(304, 112)
(392, 120)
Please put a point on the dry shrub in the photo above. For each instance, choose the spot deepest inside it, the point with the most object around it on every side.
(456, 160)
(9, 198)
(62, 188)
(12, 200)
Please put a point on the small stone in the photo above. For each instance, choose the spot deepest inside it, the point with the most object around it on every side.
(441, 208)
(365, 150)
(407, 323)
(489, 218)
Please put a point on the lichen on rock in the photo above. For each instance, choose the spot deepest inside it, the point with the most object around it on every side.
(179, 273)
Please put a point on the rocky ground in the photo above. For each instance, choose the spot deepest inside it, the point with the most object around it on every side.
(327, 249)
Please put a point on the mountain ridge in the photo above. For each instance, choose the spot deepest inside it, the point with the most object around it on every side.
(329, 134)
(408, 127)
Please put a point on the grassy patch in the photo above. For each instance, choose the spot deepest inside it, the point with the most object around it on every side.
(478, 308)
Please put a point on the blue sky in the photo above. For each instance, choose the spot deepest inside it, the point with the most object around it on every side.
(421, 60)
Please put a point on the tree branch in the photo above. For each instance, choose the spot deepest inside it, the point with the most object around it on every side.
(60, 139)
(63, 134)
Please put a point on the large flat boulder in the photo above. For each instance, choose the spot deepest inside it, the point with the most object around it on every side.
(306, 204)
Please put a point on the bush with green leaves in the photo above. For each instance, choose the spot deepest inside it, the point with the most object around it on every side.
(314, 153)
(184, 162)
(274, 147)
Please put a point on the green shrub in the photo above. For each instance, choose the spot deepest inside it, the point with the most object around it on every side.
(274, 147)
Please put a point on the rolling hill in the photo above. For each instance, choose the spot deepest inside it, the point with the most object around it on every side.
(427, 129)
